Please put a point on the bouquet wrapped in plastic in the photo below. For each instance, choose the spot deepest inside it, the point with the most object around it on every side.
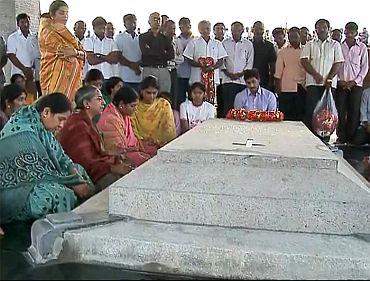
(325, 115)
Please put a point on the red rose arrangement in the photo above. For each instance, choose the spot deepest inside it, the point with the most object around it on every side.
(324, 122)
(255, 115)
(207, 78)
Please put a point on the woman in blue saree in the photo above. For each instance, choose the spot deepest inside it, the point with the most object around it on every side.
(37, 178)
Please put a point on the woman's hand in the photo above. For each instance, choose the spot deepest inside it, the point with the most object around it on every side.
(121, 169)
(82, 190)
(149, 142)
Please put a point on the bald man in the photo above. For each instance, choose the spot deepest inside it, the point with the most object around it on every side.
(156, 51)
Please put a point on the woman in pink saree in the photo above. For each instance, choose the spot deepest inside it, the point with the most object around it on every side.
(115, 124)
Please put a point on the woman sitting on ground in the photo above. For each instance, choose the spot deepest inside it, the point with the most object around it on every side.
(83, 143)
(12, 98)
(115, 124)
(153, 121)
(195, 110)
(111, 87)
(37, 177)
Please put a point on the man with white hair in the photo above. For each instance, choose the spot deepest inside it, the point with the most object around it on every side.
(205, 56)
(156, 51)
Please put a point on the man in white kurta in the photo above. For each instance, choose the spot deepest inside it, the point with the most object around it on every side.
(240, 58)
(19, 56)
(321, 58)
(203, 47)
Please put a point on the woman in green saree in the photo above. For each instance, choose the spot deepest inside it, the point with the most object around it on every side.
(37, 178)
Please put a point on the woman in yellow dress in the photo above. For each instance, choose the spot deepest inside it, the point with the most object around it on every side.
(62, 55)
(153, 121)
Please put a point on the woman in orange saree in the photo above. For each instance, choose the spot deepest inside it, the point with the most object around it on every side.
(62, 55)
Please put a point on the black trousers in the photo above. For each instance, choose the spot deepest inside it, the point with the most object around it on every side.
(292, 104)
(314, 94)
(180, 94)
(219, 100)
(173, 75)
(348, 104)
(229, 92)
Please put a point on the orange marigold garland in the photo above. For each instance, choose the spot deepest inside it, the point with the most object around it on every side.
(255, 115)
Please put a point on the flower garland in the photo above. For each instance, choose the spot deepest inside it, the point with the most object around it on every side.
(208, 78)
(255, 115)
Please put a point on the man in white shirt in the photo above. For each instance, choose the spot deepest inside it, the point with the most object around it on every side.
(169, 30)
(183, 71)
(80, 30)
(130, 53)
(219, 29)
(240, 58)
(18, 52)
(102, 52)
(321, 58)
(35, 55)
(205, 48)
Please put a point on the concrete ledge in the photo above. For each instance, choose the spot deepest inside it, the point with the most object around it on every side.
(241, 211)
(252, 158)
(229, 179)
(47, 233)
(221, 252)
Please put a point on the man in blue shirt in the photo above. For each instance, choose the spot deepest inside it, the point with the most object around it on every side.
(255, 97)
